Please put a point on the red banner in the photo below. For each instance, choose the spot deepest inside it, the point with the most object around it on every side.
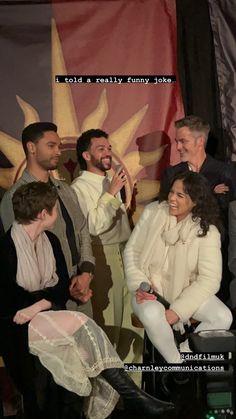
(119, 38)
(122, 38)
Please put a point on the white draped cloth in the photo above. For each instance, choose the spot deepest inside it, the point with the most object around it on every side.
(75, 350)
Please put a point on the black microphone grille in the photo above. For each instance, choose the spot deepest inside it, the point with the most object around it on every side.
(144, 286)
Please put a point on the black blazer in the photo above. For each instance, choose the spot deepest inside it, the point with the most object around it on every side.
(215, 171)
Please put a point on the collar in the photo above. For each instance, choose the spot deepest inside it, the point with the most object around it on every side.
(28, 177)
(203, 163)
(85, 174)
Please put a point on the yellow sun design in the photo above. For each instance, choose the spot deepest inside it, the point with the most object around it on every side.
(69, 130)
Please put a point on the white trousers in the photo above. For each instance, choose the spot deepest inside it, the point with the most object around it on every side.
(212, 314)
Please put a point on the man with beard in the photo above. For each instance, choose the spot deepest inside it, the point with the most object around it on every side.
(191, 139)
(101, 203)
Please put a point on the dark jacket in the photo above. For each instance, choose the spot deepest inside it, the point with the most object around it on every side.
(14, 337)
(215, 172)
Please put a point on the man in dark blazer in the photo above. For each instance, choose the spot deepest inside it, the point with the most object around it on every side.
(191, 139)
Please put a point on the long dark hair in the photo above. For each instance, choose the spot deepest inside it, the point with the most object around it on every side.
(206, 208)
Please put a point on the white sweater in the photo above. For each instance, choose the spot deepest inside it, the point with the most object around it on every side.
(186, 272)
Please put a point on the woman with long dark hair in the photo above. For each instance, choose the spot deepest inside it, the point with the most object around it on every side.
(176, 248)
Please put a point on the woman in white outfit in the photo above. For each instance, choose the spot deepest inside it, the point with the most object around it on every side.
(176, 248)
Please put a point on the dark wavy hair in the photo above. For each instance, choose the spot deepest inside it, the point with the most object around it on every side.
(206, 208)
(84, 143)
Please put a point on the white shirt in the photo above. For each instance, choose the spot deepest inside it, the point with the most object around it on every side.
(106, 215)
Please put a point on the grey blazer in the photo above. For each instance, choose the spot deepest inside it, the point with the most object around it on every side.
(70, 201)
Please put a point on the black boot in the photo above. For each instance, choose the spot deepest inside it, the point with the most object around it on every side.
(134, 399)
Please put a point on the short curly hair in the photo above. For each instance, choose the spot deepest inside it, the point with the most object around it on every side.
(30, 199)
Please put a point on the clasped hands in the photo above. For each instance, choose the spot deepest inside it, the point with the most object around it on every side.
(142, 296)
(80, 287)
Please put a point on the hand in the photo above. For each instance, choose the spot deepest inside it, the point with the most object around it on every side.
(80, 287)
(81, 282)
(118, 181)
(28, 313)
(81, 298)
(221, 188)
(171, 316)
(142, 296)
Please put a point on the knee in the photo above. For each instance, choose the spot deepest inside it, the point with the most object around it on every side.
(223, 318)
(149, 312)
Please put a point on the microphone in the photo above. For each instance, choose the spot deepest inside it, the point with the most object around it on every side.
(144, 286)
(123, 195)
(119, 168)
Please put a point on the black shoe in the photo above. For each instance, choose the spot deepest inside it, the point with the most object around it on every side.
(134, 399)
(174, 383)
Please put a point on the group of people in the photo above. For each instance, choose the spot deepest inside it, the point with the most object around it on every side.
(68, 255)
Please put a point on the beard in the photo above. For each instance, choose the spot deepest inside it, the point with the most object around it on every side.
(100, 163)
(50, 164)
